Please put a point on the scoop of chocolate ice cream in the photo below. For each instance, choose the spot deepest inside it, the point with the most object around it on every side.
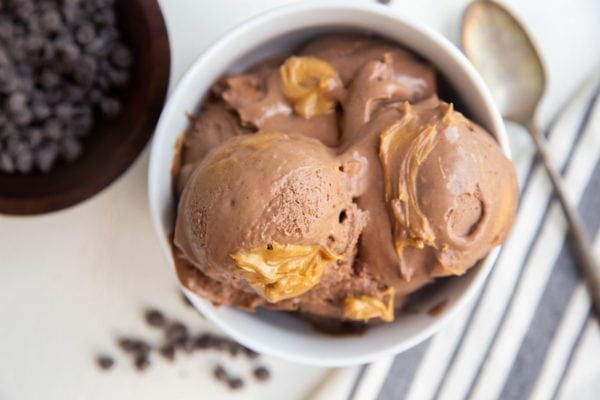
(448, 188)
(268, 212)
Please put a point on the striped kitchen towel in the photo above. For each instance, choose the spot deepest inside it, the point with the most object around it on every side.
(530, 334)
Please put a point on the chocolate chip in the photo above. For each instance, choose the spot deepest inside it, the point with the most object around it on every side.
(189, 345)
(50, 21)
(40, 110)
(134, 346)
(23, 117)
(126, 344)
(220, 374)
(176, 333)
(63, 111)
(233, 348)
(35, 137)
(219, 343)
(202, 341)
(52, 129)
(167, 351)
(105, 362)
(142, 362)
(251, 354)
(70, 148)
(118, 77)
(235, 383)
(16, 103)
(34, 44)
(24, 161)
(261, 373)
(121, 56)
(6, 163)
(49, 79)
(142, 347)
(67, 54)
(85, 34)
(46, 156)
(110, 107)
(155, 318)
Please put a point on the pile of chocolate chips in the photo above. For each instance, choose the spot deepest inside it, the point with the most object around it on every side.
(61, 63)
(176, 337)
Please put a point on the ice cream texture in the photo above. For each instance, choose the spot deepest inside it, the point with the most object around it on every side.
(335, 183)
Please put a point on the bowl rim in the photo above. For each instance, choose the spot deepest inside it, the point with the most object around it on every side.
(497, 129)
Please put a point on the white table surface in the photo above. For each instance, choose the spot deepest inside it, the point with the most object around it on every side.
(71, 281)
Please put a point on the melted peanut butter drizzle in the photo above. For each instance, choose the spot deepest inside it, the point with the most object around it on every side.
(363, 308)
(280, 271)
(415, 141)
(307, 83)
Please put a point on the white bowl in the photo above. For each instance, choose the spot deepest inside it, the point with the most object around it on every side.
(281, 30)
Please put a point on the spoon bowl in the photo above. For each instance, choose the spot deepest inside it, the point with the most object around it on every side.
(502, 52)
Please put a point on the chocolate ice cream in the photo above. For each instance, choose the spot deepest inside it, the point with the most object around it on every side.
(335, 183)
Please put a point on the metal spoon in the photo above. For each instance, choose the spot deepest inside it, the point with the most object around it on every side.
(506, 58)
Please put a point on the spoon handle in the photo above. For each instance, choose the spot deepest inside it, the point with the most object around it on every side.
(583, 249)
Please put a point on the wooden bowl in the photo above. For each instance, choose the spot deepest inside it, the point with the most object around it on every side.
(113, 144)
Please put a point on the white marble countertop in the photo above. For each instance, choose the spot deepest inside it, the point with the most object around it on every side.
(72, 280)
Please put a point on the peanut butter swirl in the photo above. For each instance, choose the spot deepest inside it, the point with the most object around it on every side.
(278, 272)
(363, 308)
(307, 82)
(403, 148)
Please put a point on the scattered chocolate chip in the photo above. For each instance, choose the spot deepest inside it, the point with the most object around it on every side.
(176, 338)
(155, 318)
(126, 344)
(167, 351)
(110, 106)
(219, 373)
(261, 373)
(235, 383)
(233, 348)
(142, 347)
(176, 333)
(189, 345)
(85, 34)
(134, 346)
(24, 161)
(219, 343)
(142, 362)
(251, 354)
(202, 341)
(104, 362)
